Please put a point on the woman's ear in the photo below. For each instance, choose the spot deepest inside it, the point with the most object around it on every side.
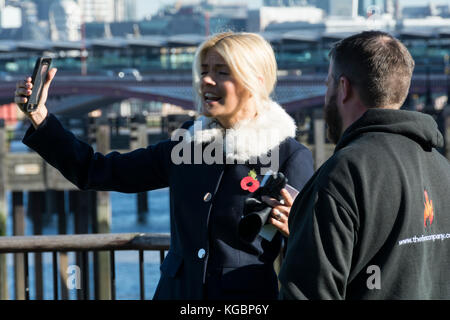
(261, 80)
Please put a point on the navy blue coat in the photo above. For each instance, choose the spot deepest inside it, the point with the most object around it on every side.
(206, 203)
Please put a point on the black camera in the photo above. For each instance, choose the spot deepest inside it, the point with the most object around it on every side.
(256, 212)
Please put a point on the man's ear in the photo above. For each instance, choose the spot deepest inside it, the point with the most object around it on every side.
(345, 89)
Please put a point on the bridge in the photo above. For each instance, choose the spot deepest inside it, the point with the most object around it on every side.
(73, 95)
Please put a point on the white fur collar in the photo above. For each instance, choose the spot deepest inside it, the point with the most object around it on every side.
(248, 138)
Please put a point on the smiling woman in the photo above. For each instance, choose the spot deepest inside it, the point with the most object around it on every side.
(233, 70)
(223, 97)
(242, 130)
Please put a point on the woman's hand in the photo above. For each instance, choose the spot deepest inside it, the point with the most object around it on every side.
(280, 211)
(23, 91)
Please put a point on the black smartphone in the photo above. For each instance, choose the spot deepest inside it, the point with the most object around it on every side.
(38, 79)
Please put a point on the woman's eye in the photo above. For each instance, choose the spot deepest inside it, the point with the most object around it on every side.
(223, 73)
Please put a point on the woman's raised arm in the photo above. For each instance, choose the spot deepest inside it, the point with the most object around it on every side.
(140, 170)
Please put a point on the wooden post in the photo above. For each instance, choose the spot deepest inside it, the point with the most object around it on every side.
(3, 212)
(103, 218)
(114, 124)
(142, 206)
(82, 227)
(36, 208)
(18, 230)
(92, 208)
(139, 139)
(319, 138)
(92, 198)
(50, 202)
(142, 196)
(60, 204)
(91, 131)
(81, 213)
(62, 229)
(73, 194)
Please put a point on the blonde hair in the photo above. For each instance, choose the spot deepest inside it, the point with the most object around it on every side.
(250, 58)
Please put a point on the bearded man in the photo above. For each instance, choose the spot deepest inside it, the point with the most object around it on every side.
(374, 220)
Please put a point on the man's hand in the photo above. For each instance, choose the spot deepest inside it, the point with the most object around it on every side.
(23, 91)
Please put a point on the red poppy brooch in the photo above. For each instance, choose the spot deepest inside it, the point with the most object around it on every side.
(250, 182)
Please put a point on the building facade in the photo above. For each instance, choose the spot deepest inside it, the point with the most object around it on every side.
(103, 10)
(65, 21)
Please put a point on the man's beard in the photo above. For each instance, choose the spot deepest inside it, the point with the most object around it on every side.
(333, 120)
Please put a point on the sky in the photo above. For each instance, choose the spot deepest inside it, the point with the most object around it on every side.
(146, 8)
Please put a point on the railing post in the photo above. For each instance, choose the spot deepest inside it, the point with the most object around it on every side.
(36, 208)
(18, 230)
(78, 200)
(62, 229)
(92, 198)
(82, 227)
(103, 217)
(3, 212)
(141, 275)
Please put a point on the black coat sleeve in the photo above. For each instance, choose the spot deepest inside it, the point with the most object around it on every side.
(319, 252)
(299, 168)
(137, 171)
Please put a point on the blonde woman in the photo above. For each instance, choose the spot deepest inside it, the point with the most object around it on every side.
(211, 166)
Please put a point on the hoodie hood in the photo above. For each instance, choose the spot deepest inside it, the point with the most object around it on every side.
(415, 125)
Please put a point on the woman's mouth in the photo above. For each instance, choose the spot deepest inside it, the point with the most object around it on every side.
(211, 98)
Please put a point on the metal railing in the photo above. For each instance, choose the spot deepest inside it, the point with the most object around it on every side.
(84, 243)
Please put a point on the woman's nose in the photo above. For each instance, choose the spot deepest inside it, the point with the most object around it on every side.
(207, 79)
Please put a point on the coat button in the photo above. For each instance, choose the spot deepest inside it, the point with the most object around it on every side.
(207, 197)
(201, 253)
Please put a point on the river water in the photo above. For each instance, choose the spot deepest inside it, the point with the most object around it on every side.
(124, 220)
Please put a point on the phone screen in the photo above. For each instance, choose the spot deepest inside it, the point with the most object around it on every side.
(41, 76)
